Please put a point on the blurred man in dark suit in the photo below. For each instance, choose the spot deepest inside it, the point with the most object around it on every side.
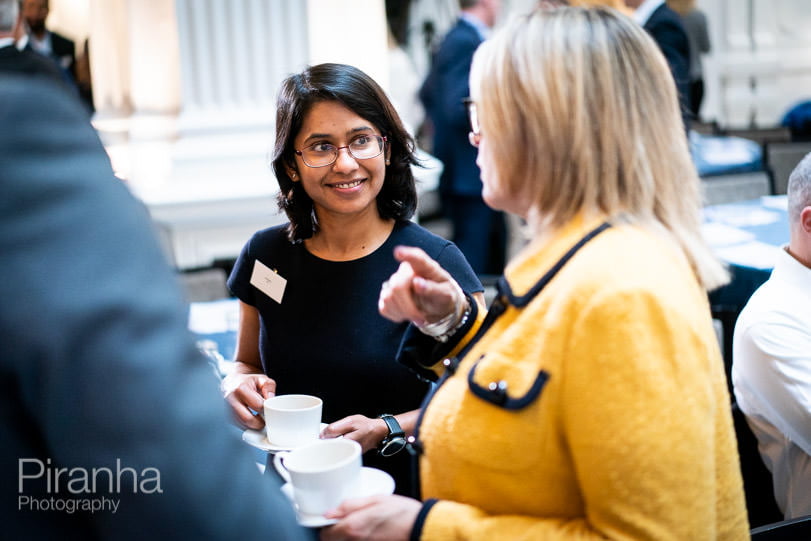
(112, 425)
(666, 28)
(49, 44)
(478, 230)
(14, 60)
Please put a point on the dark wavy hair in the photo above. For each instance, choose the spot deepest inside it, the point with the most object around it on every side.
(358, 92)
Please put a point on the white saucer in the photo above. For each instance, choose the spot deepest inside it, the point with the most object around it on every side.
(259, 439)
(372, 483)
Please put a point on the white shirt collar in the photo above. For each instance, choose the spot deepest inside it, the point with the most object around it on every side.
(42, 46)
(5, 42)
(792, 271)
(645, 10)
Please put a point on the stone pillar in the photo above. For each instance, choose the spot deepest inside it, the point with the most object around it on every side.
(350, 32)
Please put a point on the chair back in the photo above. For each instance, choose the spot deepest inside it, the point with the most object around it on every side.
(782, 158)
(757, 479)
(786, 530)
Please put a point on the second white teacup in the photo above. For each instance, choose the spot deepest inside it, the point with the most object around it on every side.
(292, 420)
(322, 474)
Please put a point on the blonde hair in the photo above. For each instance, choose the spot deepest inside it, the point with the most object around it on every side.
(581, 115)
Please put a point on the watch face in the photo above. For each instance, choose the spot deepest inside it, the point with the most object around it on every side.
(393, 446)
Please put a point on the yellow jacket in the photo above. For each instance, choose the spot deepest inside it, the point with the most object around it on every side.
(627, 431)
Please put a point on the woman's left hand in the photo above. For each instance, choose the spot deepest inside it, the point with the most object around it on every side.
(367, 432)
(389, 518)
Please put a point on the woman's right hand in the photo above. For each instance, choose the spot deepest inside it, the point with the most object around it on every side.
(246, 392)
(420, 291)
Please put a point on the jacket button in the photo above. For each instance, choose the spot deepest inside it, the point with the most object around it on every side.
(414, 446)
(451, 364)
(499, 390)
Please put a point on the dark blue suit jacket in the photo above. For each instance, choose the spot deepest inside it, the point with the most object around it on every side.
(27, 62)
(97, 368)
(666, 28)
(63, 56)
(442, 94)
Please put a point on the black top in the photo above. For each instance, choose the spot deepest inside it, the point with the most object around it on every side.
(326, 338)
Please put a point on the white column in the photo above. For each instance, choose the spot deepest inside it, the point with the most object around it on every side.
(233, 55)
(350, 32)
(109, 57)
(154, 59)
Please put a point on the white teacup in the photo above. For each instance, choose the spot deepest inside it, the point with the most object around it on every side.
(292, 420)
(322, 474)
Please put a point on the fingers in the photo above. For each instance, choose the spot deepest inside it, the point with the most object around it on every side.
(437, 298)
(421, 264)
(364, 430)
(351, 505)
(267, 389)
(338, 428)
(243, 415)
(373, 518)
(254, 390)
(248, 397)
(420, 291)
(397, 300)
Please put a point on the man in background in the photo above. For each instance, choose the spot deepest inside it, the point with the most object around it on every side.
(478, 230)
(771, 367)
(111, 423)
(666, 28)
(14, 60)
(58, 48)
(698, 36)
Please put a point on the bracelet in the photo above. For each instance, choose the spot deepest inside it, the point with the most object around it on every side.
(465, 315)
(445, 328)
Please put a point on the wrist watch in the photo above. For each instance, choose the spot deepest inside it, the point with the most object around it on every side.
(395, 441)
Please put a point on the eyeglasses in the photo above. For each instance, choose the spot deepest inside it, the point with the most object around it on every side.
(361, 148)
(475, 134)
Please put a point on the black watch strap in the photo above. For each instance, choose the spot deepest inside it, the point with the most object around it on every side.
(394, 427)
(395, 441)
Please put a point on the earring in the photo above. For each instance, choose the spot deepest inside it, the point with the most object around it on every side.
(293, 175)
(388, 162)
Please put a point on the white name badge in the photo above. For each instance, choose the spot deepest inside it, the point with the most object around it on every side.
(268, 281)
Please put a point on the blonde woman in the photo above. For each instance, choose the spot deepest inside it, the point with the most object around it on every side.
(591, 401)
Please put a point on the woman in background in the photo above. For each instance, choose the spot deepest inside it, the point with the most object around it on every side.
(591, 401)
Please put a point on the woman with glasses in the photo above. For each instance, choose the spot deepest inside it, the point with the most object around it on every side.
(590, 401)
(308, 290)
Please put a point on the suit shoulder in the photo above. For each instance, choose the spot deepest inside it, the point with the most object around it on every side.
(462, 33)
(62, 40)
(665, 16)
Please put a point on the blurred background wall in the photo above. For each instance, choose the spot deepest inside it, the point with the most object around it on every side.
(184, 90)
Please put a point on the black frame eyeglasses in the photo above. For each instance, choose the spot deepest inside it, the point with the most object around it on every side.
(475, 134)
(362, 147)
